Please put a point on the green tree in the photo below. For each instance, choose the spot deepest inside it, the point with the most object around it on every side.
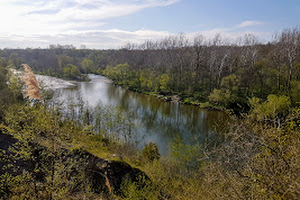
(88, 66)
(185, 154)
(15, 85)
(274, 108)
(295, 92)
(147, 81)
(10, 90)
(229, 93)
(71, 71)
(150, 152)
(164, 81)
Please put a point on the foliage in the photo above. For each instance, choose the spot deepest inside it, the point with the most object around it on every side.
(71, 71)
(186, 155)
(39, 146)
(230, 95)
(225, 72)
(164, 81)
(150, 152)
(217, 96)
(10, 89)
(274, 107)
(88, 66)
(134, 191)
(295, 94)
(15, 85)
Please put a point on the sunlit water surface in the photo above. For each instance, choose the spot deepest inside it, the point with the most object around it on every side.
(155, 120)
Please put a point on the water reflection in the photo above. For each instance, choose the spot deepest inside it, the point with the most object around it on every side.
(155, 120)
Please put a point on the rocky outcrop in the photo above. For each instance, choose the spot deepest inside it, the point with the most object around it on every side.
(106, 176)
(103, 176)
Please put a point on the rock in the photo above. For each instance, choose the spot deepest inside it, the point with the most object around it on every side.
(104, 174)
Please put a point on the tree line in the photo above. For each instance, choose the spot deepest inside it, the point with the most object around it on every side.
(225, 73)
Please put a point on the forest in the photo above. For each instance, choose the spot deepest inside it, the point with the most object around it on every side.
(46, 154)
(222, 72)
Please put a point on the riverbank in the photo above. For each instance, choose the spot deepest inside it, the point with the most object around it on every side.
(175, 98)
(54, 83)
(144, 118)
(167, 97)
(79, 77)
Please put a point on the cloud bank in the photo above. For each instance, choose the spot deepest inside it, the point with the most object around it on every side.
(57, 16)
(39, 23)
(95, 39)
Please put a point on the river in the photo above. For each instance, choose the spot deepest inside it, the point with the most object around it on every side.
(155, 120)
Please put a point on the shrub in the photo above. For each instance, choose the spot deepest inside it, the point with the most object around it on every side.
(274, 108)
(150, 152)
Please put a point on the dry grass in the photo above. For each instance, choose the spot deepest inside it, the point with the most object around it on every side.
(32, 89)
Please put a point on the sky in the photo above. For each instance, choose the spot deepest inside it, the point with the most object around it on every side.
(109, 24)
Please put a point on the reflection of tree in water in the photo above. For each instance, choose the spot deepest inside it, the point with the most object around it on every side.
(154, 119)
(165, 118)
(169, 119)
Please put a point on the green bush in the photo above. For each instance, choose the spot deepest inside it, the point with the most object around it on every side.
(274, 107)
(134, 190)
(150, 152)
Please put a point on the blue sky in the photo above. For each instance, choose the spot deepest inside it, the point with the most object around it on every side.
(103, 24)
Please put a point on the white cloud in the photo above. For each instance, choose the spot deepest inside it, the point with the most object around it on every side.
(233, 34)
(249, 23)
(27, 23)
(113, 38)
(95, 39)
(56, 16)
(39, 23)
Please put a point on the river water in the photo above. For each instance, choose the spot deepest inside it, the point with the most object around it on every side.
(155, 120)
